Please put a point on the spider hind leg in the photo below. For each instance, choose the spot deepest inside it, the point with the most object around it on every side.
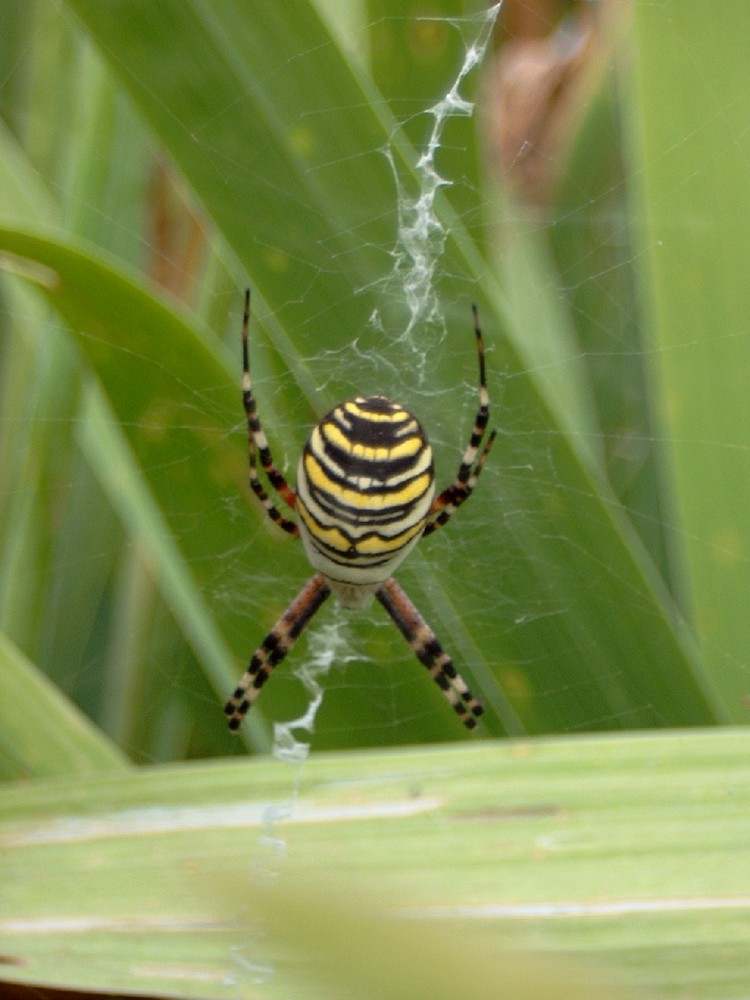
(429, 652)
(274, 648)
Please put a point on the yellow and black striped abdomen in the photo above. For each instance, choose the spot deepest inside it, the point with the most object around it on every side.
(365, 484)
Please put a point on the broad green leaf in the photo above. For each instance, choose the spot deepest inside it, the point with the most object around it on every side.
(626, 853)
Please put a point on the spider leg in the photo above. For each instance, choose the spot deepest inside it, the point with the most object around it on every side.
(428, 651)
(274, 648)
(451, 499)
(258, 443)
(447, 503)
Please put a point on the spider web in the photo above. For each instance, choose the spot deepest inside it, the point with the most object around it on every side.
(416, 255)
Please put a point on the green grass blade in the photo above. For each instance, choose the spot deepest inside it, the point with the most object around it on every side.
(155, 398)
(41, 733)
(60, 542)
(692, 143)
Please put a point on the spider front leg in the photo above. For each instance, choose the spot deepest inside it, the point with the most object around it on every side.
(274, 648)
(428, 651)
(447, 503)
(258, 443)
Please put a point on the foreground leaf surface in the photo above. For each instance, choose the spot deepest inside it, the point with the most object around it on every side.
(630, 850)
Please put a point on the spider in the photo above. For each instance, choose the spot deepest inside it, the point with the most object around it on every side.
(365, 495)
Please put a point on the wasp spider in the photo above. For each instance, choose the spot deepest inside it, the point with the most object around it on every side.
(365, 496)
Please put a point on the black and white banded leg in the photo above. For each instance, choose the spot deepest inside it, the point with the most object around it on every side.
(258, 444)
(274, 648)
(428, 651)
(445, 505)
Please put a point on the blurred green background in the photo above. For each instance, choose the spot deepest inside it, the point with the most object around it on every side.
(156, 158)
